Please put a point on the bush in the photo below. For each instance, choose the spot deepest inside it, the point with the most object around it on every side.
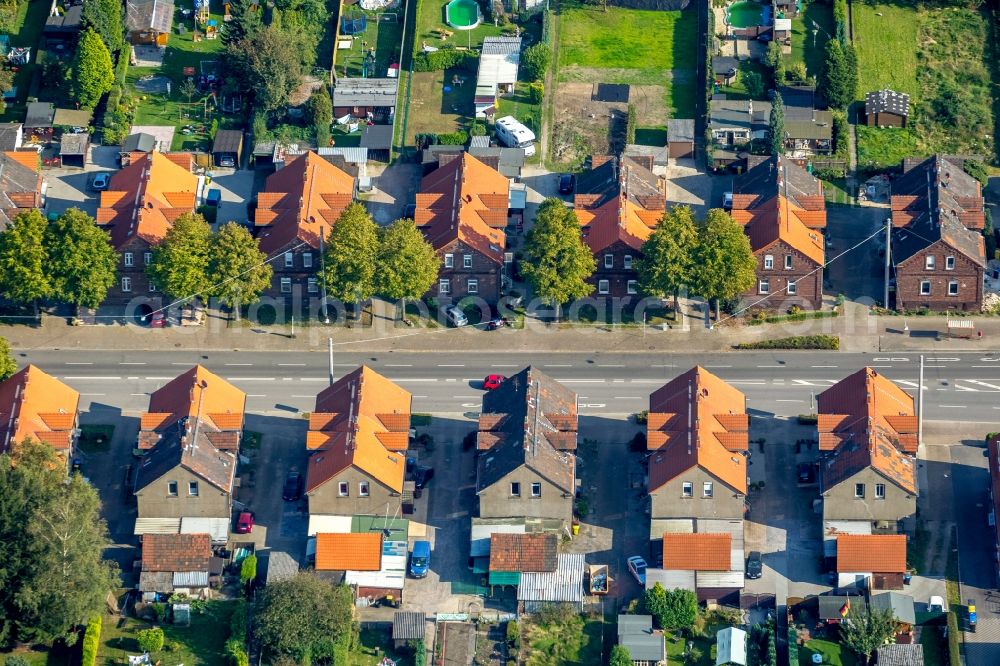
(977, 170)
(151, 640)
(458, 138)
(795, 342)
(91, 641)
(536, 91)
(478, 128)
(513, 634)
(248, 570)
(16, 660)
(436, 61)
(535, 61)
(237, 652)
(641, 417)
(630, 125)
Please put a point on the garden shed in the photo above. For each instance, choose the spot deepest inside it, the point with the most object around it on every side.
(227, 148)
(731, 647)
(73, 149)
(680, 137)
(408, 626)
(149, 21)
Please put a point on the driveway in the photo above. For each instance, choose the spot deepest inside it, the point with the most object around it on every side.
(859, 274)
(395, 186)
(237, 191)
(69, 187)
(689, 184)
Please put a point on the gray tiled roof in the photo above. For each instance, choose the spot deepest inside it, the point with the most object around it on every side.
(680, 129)
(887, 101)
(501, 46)
(901, 654)
(195, 453)
(761, 178)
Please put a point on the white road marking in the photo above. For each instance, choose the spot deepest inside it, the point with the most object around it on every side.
(822, 366)
(504, 365)
(139, 394)
(952, 406)
(770, 366)
(594, 405)
(941, 360)
(154, 378)
(317, 379)
(451, 365)
(256, 395)
(745, 381)
(663, 365)
(980, 383)
(893, 359)
(398, 365)
(610, 365)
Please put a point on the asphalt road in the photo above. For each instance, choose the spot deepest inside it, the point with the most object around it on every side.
(963, 387)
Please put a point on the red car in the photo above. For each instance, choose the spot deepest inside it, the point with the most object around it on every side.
(493, 381)
(244, 524)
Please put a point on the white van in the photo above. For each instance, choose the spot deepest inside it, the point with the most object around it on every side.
(514, 134)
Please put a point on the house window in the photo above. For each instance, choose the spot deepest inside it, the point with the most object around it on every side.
(603, 286)
(172, 488)
(764, 286)
(286, 285)
(792, 287)
(609, 261)
(364, 490)
(466, 261)
(536, 489)
(473, 286)
(788, 262)
(126, 284)
(515, 489)
(631, 287)
(342, 489)
(627, 262)
(879, 491)
(129, 259)
(707, 489)
(147, 258)
(289, 260)
(925, 287)
(449, 261)
(953, 288)
(687, 489)
(444, 286)
(152, 286)
(312, 286)
(859, 490)
(768, 262)
(929, 262)
(949, 263)
(307, 259)
(193, 488)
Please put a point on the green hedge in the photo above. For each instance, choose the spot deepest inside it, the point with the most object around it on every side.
(91, 641)
(457, 138)
(954, 649)
(794, 342)
(436, 61)
(798, 316)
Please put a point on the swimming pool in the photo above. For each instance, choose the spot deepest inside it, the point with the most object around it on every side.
(463, 14)
(745, 14)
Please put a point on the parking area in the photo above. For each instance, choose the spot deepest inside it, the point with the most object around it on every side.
(860, 273)
(71, 187)
(236, 188)
(689, 184)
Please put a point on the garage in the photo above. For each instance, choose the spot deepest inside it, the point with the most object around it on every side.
(227, 148)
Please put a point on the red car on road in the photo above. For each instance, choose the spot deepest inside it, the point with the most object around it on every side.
(493, 381)
(244, 524)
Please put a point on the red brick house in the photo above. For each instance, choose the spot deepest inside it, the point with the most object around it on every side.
(138, 208)
(298, 206)
(938, 252)
(618, 202)
(462, 209)
(757, 190)
(22, 186)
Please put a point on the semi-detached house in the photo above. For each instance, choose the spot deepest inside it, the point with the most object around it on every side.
(36, 406)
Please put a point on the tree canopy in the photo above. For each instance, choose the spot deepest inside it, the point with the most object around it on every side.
(667, 255)
(620, 656)
(776, 125)
(82, 262)
(24, 276)
(8, 366)
(839, 80)
(535, 61)
(106, 18)
(557, 262)
(244, 20)
(303, 617)
(238, 267)
(407, 264)
(267, 64)
(91, 71)
(350, 256)
(724, 263)
(865, 630)
(180, 261)
(672, 609)
(776, 61)
(53, 578)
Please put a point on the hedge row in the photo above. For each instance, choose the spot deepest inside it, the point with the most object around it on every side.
(91, 641)
(795, 342)
(442, 59)
(798, 316)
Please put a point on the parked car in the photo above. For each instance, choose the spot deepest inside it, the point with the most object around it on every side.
(806, 472)
(422, 477)
(455, 316)
(637, 567)
(227, 162)
(292, 490)
(493, 381)
(755, 565)
(567, 183)
(156, 320)
(496, 323)
(101, 181)
(420, 559)
(244, 524)
(311, 551)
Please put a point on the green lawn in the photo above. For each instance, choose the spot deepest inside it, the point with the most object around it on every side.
(833, 653)
(372, 646)
(519, 106)
(885, 37)
(29, 22)
(808, 42)
(574, 640)
(200, 644)
(384, 36)
(737, 89)
(430, 18)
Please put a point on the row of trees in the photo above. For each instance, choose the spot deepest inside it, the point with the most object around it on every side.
(710, 257)
(53, 578)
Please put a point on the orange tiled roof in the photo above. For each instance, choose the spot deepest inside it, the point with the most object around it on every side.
(195, 392)
(145, 197)
(720, 429)
(785, 223)
(36, 405)
(300, 200)
(465, 200)
(349, 552)
(697, 552)
(871, 553)
(617, 220)
(523, 552)
(362, 420)
(176, 552)
(26, 158)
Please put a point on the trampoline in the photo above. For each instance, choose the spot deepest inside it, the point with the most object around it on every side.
(354, 23)
(463, 14)
(746, 14)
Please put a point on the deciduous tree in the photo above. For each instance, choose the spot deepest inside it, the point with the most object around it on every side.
(680, 609)
(91, 71)
(774, 59)
(8, 366)
(557, 262)
(866, 629)
(350, 256)
(181, 260)
(724, 263)
(268, 66)
(302, 616)
(776, 125)
(106, 18)
(407, 264)
(668, 255)
(654, 601)
(24, 260)
(238, 267)
(82, 262)
(620, 656)
(535, 61)
(321, 111)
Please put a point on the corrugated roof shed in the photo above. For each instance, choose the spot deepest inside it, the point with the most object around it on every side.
(563, 584)
(408, 626)
(901, 655)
